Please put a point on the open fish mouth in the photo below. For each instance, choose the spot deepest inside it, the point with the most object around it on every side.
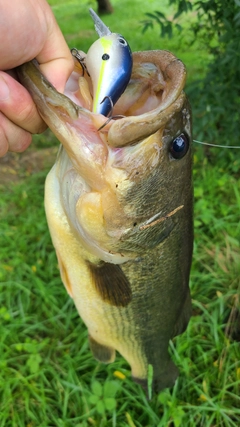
(124, 150)
(119, 207)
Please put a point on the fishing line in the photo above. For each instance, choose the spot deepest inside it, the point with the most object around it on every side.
(216, 145)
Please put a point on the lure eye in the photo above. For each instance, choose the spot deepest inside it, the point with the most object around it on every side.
(179, 146)
(105, 57)
(122, 41)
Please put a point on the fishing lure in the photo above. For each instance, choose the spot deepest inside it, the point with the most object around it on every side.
(109, 63)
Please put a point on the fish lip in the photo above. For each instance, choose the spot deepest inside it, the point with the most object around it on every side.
(60, 105)
(31, 77)
(132, 129)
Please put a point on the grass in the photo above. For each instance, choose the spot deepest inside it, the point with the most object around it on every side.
(48, 377)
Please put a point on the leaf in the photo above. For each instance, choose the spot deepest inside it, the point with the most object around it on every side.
(160, 14)
(110, 403)
(150, 381)
(151, 15)
(164, 397)
(93, 399)
(97, 388)
(177, 14)
(129, 420)
(146, 25)
(178, 414)
(178, 27)
(33, 363)
(19, 346)
(100, 407)
(110, 388)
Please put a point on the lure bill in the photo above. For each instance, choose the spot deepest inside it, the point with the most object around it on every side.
(99, 25)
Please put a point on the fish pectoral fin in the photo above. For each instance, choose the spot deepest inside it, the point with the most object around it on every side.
(111, 283)
(101, 352)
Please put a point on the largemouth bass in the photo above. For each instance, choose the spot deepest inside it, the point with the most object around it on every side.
(119, 207)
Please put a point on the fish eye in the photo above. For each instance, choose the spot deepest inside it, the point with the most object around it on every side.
(179, 146)
(105, 57)
(122, 41)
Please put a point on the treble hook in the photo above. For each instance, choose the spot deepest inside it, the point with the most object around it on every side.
(118, 116)
(80, 59)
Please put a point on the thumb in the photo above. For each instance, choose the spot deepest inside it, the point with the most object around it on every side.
(55, 59)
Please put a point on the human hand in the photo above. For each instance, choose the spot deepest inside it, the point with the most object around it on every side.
(29, 30)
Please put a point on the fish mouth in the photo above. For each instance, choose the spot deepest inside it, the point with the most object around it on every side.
(156, 83)
(102, 172)
(152, 97)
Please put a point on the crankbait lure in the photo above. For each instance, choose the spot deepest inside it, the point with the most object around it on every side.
(109, 63)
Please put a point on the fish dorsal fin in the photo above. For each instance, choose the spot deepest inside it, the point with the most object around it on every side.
(111, 283)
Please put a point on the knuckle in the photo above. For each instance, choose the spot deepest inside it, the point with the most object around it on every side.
(20, 146)
(30, 118)
(12, 137)
(26, 113)
(20, 109)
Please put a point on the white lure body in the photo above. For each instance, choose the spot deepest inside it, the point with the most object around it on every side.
(109, 63)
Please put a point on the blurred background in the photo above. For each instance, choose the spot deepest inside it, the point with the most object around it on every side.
(48, 377)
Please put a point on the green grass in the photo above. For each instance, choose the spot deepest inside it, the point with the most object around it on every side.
(48, 377)
(47, 372)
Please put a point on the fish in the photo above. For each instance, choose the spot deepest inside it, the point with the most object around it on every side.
(118, 202)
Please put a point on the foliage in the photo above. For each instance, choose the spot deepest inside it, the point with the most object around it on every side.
(48, 377)
(103, 397)
(215, 26)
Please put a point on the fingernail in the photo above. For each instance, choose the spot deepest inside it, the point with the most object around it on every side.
(4, 90)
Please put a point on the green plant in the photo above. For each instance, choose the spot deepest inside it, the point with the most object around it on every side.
(214, 26)
(103, 397)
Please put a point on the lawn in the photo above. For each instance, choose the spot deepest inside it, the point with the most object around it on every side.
(48, 377)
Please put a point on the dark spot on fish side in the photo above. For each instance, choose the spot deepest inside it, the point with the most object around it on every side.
(105, 57)
(111, 283)
(101, 352)
(116, 185)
